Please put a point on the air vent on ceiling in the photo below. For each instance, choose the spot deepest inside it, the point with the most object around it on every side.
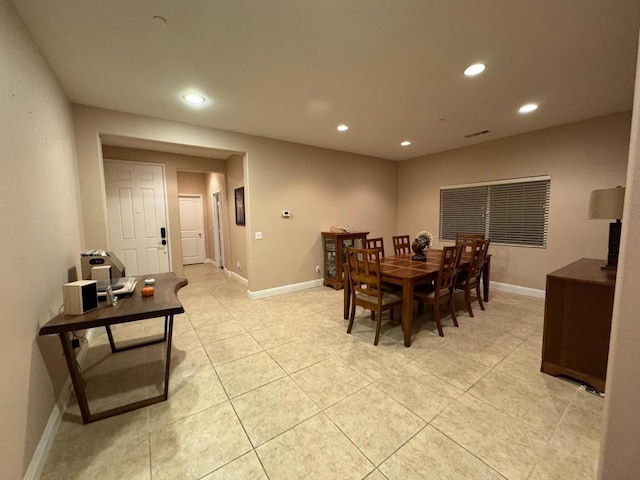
(475, 134)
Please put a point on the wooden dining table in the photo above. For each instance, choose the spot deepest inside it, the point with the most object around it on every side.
(401, 270)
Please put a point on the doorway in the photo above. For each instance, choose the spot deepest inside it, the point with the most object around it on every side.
(218, 244)
(191, 228)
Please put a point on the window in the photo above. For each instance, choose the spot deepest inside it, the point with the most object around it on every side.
(509, 212)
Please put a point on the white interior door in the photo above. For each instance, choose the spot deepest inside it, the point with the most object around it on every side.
(136, 214)
(191, 229)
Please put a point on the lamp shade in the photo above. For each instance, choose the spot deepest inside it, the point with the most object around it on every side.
(606, 203)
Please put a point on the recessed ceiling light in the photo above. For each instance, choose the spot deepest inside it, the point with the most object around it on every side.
(475, 69)
(194, 99)
(343, 128)
(528, 108)
(405, 143)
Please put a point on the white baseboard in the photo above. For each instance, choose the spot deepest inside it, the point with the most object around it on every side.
(270, 292)
(34, 472)
(46, 440)
(529, 292)
(237, 278)
(212, 262)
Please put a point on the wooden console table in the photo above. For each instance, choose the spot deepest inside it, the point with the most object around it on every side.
(164, 303)
(577, 322)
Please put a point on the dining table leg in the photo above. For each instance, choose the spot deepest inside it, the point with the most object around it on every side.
(347, 296)
(486, 278)
(407, 310)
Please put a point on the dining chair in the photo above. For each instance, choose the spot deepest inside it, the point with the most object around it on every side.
(467, 239)
(375, 243)
(366, 288)
(401, 244)
(443, 289)
(469, 279)
(387, 287)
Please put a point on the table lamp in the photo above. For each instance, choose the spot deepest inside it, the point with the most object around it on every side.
(607, 204)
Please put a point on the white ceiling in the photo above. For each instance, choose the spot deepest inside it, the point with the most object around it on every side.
(390, 69)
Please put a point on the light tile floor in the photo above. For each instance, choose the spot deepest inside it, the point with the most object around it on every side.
(276, 389)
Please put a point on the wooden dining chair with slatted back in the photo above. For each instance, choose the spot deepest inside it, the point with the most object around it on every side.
(443, 289)
(375, 243)
(467, 239)
(387, 287)
(401, 244)
(378, 242)
(469, 279)
(366, 289)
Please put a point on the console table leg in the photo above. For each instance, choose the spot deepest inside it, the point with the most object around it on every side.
(116, 349)
(168, 334)
(76, 378)
(112, 343)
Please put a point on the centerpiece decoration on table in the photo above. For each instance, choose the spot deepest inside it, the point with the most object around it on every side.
(419, 246)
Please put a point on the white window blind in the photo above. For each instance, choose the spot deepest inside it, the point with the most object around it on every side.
(512, 212)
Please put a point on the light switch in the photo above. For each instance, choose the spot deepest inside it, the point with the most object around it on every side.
(258, 235)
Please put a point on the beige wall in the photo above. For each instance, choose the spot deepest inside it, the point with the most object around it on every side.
(40, 240)
(191, 183)
(236, 238)
(620, 447)
(580, 157)
(321, 187)
(40, 198)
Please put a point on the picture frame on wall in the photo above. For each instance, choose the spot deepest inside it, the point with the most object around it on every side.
(239, 196)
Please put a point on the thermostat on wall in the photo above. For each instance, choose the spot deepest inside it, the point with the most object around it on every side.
(286, 213)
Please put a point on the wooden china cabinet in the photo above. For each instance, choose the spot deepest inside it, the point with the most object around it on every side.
(335, 246)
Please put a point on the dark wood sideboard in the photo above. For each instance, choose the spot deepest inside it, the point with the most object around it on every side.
(577, 322)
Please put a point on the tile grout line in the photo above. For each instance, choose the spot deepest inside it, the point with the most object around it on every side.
(331, 355)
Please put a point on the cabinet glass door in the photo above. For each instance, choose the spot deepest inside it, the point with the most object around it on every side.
(330, 258)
